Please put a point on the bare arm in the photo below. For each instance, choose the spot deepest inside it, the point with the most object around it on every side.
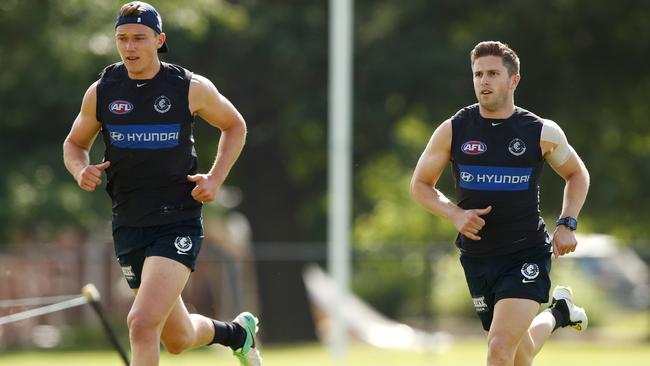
(576, 177)
(576, 186)
(78, 142)
(206, 102)
(433, 160)
(575, 174)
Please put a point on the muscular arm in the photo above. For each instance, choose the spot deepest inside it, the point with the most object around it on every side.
(575, 174)
(433, 160)
(78, 142)
(570, 167)
(206, 102)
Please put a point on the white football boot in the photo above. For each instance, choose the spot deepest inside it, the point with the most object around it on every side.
(575, 316)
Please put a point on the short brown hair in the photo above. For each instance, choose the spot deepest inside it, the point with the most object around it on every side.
(496, 48)
(132, 9)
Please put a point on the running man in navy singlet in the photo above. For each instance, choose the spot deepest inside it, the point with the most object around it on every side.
(144, 110)
(497, 151)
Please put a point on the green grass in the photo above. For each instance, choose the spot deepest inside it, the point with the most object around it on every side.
(461, 353)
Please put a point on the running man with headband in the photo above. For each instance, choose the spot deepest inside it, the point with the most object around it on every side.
(144, 110)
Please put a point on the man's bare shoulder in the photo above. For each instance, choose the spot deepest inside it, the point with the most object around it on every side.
(93, 87)
(444, 129)
(201, 83)
(441, 138)
(90, 97)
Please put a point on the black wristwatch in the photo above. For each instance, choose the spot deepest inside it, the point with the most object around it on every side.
(569, 222)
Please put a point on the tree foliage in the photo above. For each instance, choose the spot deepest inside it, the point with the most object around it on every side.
(582, 65)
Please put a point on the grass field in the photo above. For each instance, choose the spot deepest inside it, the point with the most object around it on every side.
(460, 354)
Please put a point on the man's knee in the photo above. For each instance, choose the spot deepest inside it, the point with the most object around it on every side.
(501, 351)
(142, 325)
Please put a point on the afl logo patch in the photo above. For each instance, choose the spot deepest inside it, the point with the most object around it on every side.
(474, 147)
(162, 104)
(120, 107)
(530, 270)
(517, 147)
(183, 243)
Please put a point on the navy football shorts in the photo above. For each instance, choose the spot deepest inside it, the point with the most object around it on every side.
(521, 275)
(180, 241)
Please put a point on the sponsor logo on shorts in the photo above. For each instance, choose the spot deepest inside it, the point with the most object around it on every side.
(162, 104)
(128, 273)
(120, 107)
(517, 147)
(473, 147)
(183, 244)
(479, 304)
(530, 271)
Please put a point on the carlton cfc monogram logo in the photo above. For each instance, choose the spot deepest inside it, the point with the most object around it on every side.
(183, 243)
(162, 104)
(530, 270)
(517, 147)
(474, 147)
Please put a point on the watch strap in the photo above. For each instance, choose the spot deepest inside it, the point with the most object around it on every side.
(568, 221)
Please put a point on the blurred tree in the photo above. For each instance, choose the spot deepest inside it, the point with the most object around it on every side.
(583, 65)
(580, 67)
(412, 72)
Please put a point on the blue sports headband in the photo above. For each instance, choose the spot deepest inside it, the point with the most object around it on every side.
(149, 17)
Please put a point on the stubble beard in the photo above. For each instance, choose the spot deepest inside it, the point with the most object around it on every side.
(496, 103)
